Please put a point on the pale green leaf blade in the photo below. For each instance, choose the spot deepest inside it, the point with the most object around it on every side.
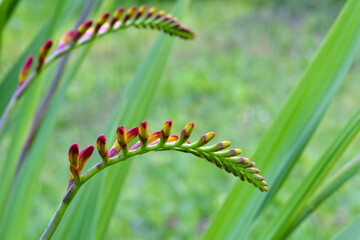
(330, 187)
(350, 232)
(26, 110)
(294, 126)
(284, 220)
(25, 186)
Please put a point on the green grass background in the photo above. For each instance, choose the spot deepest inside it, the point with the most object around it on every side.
(232, 80)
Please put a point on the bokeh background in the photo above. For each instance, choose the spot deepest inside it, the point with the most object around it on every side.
(232, 80)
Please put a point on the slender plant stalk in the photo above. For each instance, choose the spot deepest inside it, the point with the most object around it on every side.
(45, 104)
(157, 141)
(55, 221)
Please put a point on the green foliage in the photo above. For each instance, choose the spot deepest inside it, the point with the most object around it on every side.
(292, 129)
(156, 141)
(251, 66)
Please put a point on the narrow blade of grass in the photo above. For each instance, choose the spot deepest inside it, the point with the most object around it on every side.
(21, 199)
(7, 7)
(294, 126)
(352, 231)
(282, 223)
(26, 112)
(330, 187)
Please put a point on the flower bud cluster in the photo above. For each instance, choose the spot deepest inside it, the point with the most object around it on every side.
(162, 140)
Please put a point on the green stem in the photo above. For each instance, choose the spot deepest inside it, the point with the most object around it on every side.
(70, 194)
(194, 149)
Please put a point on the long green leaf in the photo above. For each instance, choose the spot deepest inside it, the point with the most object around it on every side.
(9, 82)
(330, 187)
(283, 222)
(19, 202)
(350, 232)
(294, 126)
(19, 206)
(7, 7)
(132, 108)
(25, 116)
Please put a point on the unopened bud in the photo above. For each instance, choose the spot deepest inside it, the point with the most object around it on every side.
(130, 12)
(132, 133)
(160, 14)
(229, 153)
(84, 156)
(43, 52)
(243, 161)
(74, 156)
(172, 138)
(82, 29)
(140, 12)
(144, 133)
(154, 136)
(165, 132)
(117, 15)
(186, 133)
(24, 72)
(122, 139)
(114, 149)
(66, 38)
(204, 139)
(101, 20)
(104, 28)
(167, 18)
(101, 146)
(150, 12)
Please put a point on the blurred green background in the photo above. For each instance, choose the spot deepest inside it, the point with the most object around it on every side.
(232, 80)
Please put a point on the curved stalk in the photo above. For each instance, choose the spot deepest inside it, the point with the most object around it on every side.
(154, 142)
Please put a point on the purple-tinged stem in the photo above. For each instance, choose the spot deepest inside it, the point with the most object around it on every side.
(45, 104)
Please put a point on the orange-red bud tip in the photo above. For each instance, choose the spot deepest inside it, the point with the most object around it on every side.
(140, 11)
(84, 156)
(43, 52)
(45, 47)
(150, 12)
(166, 129)
(118, 13)
(130, 12)
(101, 20)
(24, 72)
(144, 132)
(74, 155)
(160, 14)
(85, 26)
(66, 38)
(102, 146)
(132, 133)
(121, 136)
